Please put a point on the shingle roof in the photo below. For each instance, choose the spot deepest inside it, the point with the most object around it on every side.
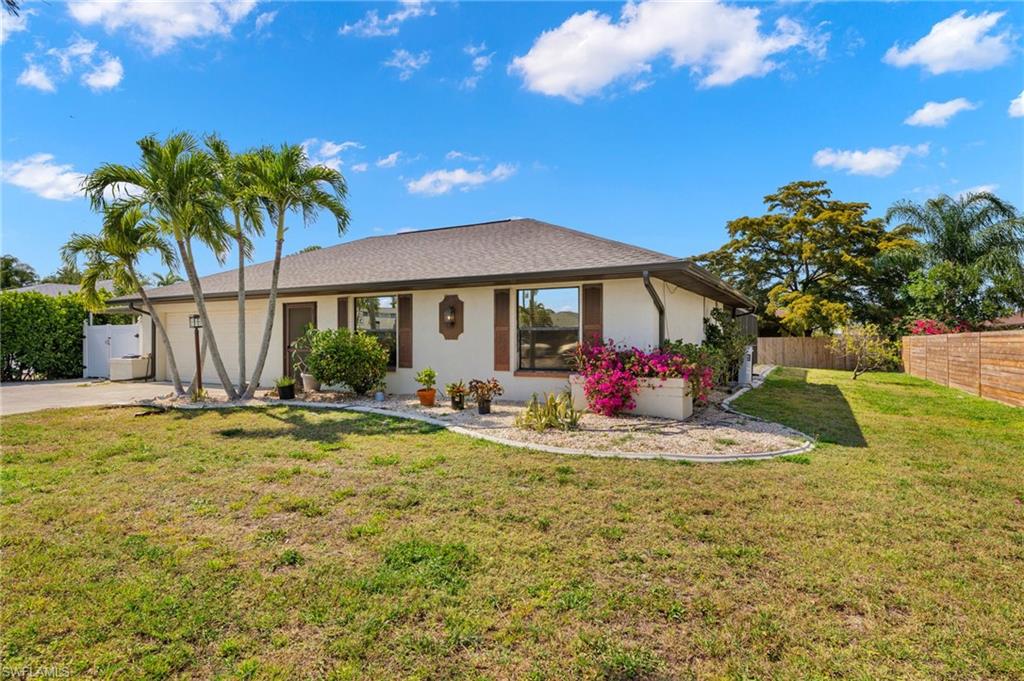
(500, 250)
(62, 289)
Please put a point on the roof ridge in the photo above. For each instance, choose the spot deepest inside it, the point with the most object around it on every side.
(595, 237)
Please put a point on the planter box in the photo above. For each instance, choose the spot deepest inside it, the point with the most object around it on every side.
(127, 368)
(668, 399)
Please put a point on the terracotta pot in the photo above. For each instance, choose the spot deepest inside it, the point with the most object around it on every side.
(427, 396)
(483, 406)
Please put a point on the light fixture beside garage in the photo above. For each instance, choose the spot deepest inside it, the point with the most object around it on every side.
(450, 317)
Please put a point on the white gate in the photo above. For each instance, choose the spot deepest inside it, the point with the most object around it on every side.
(105, 341)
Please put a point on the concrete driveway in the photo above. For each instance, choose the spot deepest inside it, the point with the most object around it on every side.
(19, 398)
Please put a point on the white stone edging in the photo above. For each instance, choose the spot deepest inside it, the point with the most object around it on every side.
(469, 432)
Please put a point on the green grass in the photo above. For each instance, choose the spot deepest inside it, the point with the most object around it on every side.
(307, 544)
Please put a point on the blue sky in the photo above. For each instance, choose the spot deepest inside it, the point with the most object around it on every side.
(652, 124)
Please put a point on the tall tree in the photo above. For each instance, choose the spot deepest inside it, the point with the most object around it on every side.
(234, 183)
(68, 273)
(808, 260)
(971, 256)
(15, 274)
(175, 185)
(114, 254)
(286, 181)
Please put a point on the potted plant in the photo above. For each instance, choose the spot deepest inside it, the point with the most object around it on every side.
(380, 388)
(285, 388)
(427, 394)
(300, 351)
(457, 392)
(483, 392)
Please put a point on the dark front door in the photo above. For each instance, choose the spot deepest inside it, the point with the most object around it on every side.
(297, 317)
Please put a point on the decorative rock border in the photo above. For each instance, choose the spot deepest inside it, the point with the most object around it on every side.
(469, 432)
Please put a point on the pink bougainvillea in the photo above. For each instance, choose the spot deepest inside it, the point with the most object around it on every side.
(933, 327)
(611, 374)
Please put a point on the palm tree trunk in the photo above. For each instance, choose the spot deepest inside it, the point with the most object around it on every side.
(172, 366)
(241, 302)
(271, 308)
(197, 295)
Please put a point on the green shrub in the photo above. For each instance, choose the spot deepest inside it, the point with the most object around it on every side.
(343, 357)
(555, 412)
(41, 336)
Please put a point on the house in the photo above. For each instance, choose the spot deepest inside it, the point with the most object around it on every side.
(509, 299)
(62, 289)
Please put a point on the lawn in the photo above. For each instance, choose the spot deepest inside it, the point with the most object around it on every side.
(288, 544)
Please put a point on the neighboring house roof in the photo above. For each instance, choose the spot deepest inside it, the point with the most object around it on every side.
(1010, 322)
(61, 289)
(500, 252)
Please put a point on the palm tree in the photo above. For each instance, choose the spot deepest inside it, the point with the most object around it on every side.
(171, 277)
(234, 187)
(285, 180)
(114, 253)
(975, 237)
(175, 184)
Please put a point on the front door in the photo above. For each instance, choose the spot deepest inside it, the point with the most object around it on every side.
(297, 317)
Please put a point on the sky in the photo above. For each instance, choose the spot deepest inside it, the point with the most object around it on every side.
(650, 123)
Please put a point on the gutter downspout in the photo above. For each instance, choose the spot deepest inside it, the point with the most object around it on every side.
(658, 304)
(151, 374)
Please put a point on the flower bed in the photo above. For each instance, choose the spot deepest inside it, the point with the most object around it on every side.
(615, 379)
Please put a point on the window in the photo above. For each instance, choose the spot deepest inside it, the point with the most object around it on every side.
(378, 316)
(548, 328)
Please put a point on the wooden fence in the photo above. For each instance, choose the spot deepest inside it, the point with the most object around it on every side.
(798, 351)
(989, 364)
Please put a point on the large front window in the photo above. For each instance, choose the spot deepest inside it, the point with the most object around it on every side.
(548, 328)
(378, 316)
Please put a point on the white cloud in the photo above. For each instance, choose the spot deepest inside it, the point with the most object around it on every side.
(961, 42)
(37, 77)
(13, 24)
(481, 62)
(359, 167)
(104, 76)
(454, 155)
(99, 69)
(1016, 109)
(263, 20)
(937, 114)
(719, 43)
(407, 63)
(875, 161)
(327, 153)
(979, 189)
(388, 161)
(40, 175)
(161, 25)
(372, 26)
(439, 182)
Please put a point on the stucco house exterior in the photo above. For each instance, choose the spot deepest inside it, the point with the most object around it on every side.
(508, 299)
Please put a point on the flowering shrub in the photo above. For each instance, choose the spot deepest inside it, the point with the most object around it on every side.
(610, 374)
(933, 327)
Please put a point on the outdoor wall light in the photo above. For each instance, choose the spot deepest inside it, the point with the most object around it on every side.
(195, 321)
(449, 315)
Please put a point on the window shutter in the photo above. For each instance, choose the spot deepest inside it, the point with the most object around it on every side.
(502, 331)
(343, 313)
(593, 313)
(405, 331)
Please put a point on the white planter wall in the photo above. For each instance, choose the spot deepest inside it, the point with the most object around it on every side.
(668, 399)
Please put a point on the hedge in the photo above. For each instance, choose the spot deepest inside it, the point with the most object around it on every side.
(40, 336)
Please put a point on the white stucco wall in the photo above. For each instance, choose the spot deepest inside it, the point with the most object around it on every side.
(629, 317)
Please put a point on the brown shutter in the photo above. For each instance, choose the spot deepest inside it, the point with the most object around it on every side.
(593, 313)
(342, 313)
(502, 332)
(405, 331)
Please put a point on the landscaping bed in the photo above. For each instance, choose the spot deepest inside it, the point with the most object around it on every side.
(711, 431)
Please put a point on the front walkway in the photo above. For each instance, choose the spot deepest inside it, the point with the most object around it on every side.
(21, 398)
